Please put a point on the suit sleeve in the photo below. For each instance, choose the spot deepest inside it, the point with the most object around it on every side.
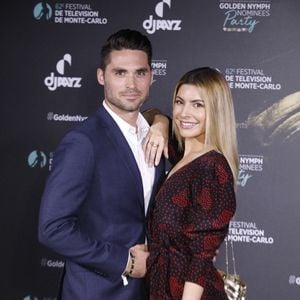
(213, 206)
(65, 193)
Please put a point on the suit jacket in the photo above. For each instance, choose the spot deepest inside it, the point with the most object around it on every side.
(92, 210)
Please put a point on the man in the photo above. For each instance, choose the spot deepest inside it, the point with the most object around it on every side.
(96, 197)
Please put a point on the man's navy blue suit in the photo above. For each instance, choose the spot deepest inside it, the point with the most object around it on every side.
(92, 210)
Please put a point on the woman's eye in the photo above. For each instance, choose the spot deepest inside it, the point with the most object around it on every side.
(198, 104)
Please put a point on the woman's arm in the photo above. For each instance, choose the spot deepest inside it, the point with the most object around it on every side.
(213, 206)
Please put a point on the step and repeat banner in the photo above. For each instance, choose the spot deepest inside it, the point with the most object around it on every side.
(49, 57)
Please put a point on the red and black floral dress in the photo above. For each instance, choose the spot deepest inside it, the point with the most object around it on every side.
(187, 223)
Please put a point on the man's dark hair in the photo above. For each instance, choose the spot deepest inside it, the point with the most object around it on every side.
(125, 39)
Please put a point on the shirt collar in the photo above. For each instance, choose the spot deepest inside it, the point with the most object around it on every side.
(142, 125)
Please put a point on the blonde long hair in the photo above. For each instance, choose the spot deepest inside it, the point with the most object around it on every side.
(220, 131)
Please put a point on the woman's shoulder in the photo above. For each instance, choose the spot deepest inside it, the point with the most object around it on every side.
(214, 159)
(216, 155)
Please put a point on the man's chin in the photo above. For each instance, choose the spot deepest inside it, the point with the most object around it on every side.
(134, 104)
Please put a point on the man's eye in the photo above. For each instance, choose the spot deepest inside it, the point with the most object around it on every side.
(141, 73)
(120, 73)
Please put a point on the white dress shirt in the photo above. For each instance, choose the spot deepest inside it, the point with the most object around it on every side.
(134, 137)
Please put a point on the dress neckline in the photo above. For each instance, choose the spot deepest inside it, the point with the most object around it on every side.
(169, 176)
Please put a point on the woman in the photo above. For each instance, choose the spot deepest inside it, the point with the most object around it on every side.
(190, 217)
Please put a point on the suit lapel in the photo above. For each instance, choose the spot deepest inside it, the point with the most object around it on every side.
(123, 149)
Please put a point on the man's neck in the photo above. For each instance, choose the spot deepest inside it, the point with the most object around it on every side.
(129, 117)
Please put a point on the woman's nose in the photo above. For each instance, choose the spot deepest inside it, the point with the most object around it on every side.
(184, 111)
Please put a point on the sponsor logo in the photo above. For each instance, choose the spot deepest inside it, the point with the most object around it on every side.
(248, 232)
(42, 11)
(294, 280)
(51, 116)
(151, 25)
(249, 165)
(243, 16)
(49, 263)
(69, 13)
(53, 82)
(250, 79)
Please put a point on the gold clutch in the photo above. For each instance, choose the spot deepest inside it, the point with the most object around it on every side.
(234, 286)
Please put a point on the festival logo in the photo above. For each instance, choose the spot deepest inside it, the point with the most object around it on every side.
(248, 232)
(53, 82)
(69, 13)
(42, 11)
(37, 159)
(250, 79)
(55, 117)
(151, 25)
(243, 16)
(249, 165)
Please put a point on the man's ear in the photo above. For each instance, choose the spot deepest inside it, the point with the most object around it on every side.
(100, 76)
(152, 76)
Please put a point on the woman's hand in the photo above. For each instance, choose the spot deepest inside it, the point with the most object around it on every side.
(139, 254)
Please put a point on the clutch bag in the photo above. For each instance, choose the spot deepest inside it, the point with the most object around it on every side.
(234, 286)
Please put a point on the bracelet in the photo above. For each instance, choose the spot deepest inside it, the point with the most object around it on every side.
(132, 258)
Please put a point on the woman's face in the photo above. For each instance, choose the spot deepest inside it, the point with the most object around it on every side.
(189, 112)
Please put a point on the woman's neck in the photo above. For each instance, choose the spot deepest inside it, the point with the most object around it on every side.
(192, 147)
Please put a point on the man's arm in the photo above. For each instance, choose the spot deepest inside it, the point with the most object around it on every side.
(63, 198)
(156, 141)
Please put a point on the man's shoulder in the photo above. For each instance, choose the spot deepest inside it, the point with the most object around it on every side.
(96, 121)
(89, 129)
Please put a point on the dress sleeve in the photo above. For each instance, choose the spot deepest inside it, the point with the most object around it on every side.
(213, 205)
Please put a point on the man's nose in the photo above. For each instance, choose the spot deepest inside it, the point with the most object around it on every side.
(130, 81)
